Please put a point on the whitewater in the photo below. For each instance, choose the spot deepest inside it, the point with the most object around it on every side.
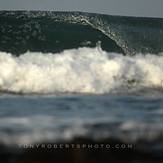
(82, 70)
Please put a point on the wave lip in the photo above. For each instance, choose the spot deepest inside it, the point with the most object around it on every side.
(83, 70)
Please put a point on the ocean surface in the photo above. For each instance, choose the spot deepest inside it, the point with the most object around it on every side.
(71, 74)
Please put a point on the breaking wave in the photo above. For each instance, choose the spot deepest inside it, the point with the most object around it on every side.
(82, 70)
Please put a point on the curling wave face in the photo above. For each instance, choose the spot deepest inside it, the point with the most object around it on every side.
(83, 70)
(46, 31)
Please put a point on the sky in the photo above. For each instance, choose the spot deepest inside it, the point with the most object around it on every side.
(145, 8)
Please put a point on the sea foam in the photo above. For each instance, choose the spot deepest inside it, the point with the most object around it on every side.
(83, 70)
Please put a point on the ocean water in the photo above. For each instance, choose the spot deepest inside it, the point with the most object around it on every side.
(30, 119)
(66, 75)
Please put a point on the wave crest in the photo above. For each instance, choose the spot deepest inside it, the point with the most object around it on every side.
(46, 31)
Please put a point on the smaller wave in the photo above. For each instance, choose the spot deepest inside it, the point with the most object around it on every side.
(83, 70)
(30, 132)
